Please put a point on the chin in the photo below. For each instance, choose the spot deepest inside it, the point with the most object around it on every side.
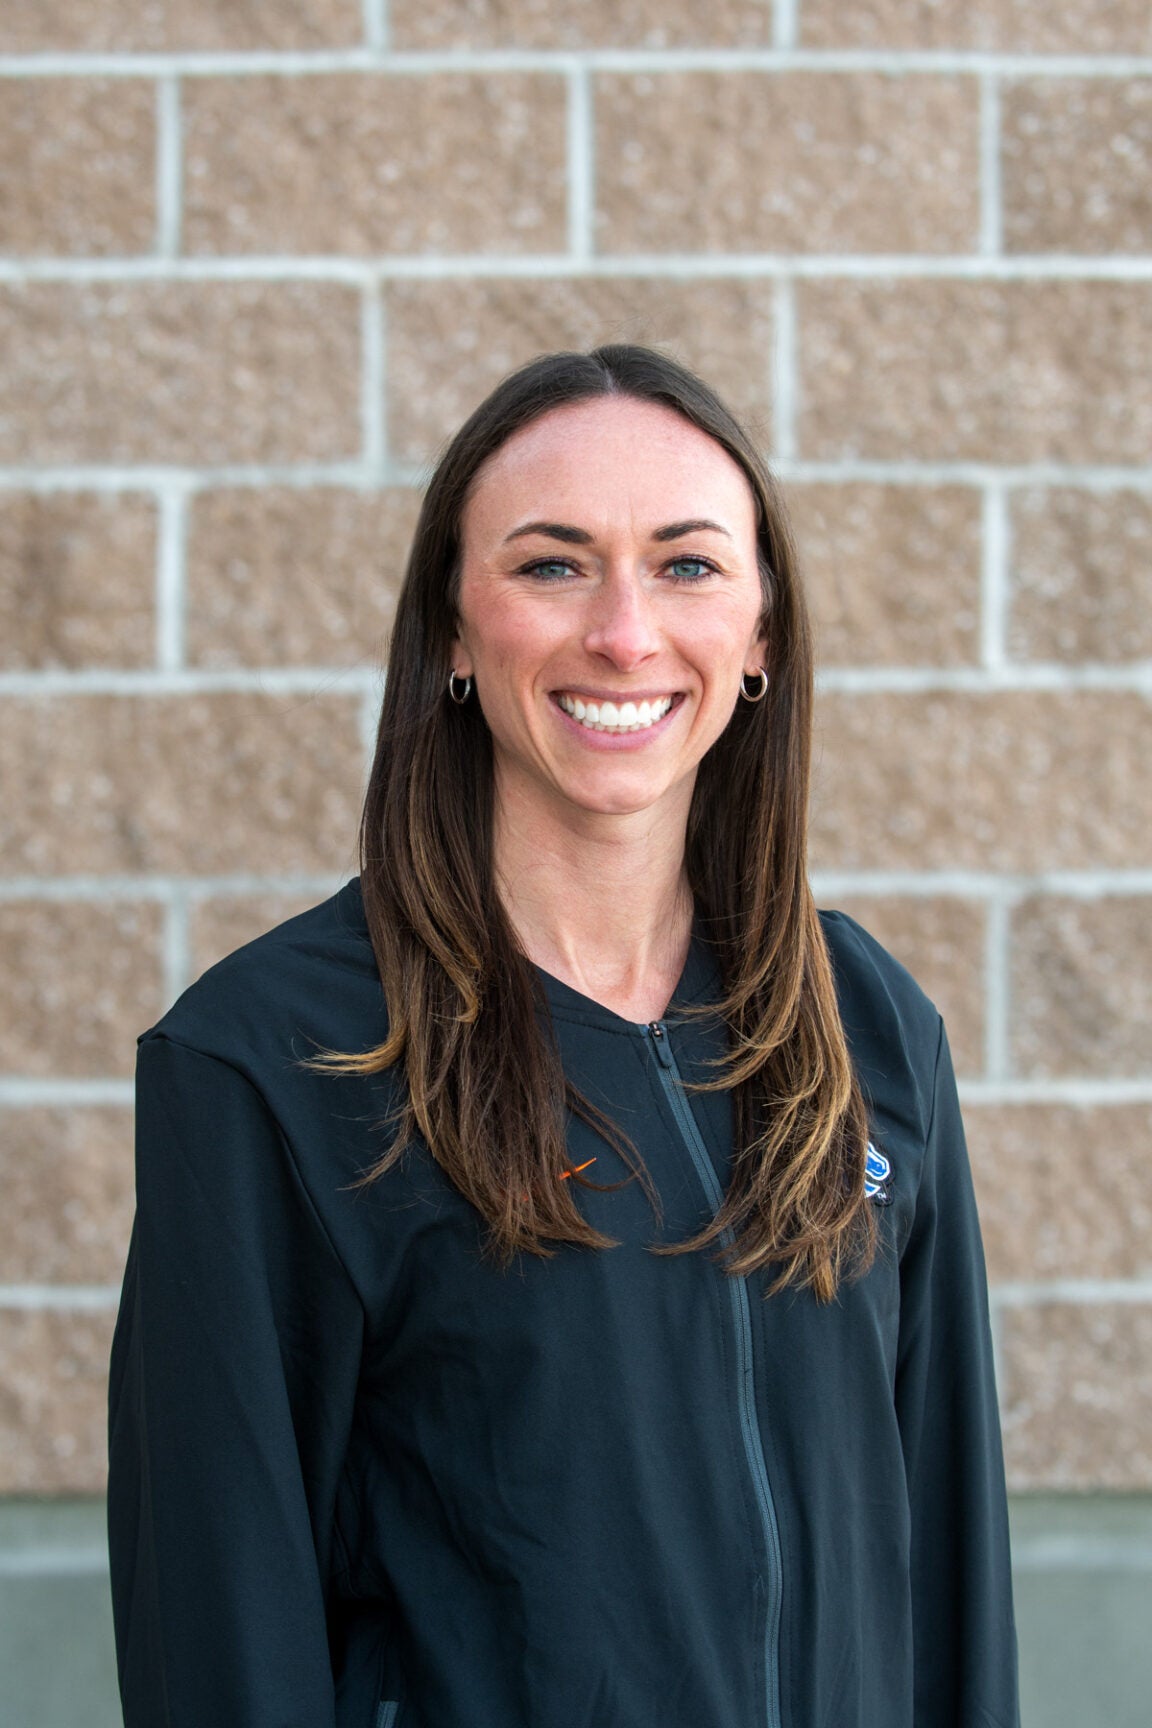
(623, 800)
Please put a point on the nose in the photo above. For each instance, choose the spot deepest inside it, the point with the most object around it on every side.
(622, 623)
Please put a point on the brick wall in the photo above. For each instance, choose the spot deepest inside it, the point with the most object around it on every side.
(258, 260)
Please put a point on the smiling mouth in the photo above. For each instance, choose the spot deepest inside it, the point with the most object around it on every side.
(615, 717)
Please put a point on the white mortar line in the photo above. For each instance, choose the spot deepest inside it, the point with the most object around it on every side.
(994, 578)
(169, 168)
(336, 680)
(20, 1093)
(581, 167)
(1082, 1292)
(785, 372)
(1085, 1094)
(1084, 884)
(162, 887)
(314, 681)
(369, 722)
(1029, 1554)
(38, 1297)
(1102, 477)
(784, 25)
(202, 888)
(887, 268)
(97, 478)
(171, 547)
(997, 989)
(372, 382)
(53, 1562)
(106, 477)
(1081, 1554)
(176, 944)
(346, 272)
(999, 1369)
(376, 25)
(424, 63)
(860, 680)
(991, 200)
(953, 884)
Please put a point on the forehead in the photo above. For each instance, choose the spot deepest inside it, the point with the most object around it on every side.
(605, 461)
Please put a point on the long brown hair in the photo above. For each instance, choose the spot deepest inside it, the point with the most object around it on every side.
(483, 1084)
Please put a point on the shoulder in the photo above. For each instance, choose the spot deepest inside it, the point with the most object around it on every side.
(871, 981)
(893, 1030)
(309, 983)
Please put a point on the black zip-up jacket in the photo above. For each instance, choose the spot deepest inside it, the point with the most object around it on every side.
(361, 1478)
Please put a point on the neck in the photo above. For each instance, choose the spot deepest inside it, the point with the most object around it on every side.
(601, 902)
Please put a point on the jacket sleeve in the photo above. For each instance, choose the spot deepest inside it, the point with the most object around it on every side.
(963, 1626)
(234, 1367)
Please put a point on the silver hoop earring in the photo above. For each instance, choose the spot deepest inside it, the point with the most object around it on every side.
(759, 690)
(467, 691)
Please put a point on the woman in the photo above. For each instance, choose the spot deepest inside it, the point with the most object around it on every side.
(556, 1296)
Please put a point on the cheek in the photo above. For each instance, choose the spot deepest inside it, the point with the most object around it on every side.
(721, 645)
(514, 643)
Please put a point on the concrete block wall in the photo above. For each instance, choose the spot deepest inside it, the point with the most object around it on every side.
(258, 259)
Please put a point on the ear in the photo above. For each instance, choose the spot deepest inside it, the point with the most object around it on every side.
(461, 660)
(757, 656)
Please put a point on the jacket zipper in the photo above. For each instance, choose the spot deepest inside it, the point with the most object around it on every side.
(742, 1318)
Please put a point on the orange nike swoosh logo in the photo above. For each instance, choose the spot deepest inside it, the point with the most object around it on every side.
(564, 1174)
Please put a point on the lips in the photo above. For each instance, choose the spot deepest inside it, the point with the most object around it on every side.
(615, 717)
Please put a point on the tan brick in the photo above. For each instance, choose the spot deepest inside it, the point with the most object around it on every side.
(1076, 1396)
(77, 580)
(892, 572)
(1076, 165)
(82, 980)
(66, 1176)
(1082, 985)
(1064, 1191)
(179, 372)
(81, 155)
(227, 921)
(295, 577)
(1011, 26)
(370, 163)
(450, 342)
(981, 371)
(1010, 780)
(184, 784)
(54, 1400)
(154, 25)
(1080, 563)
(793, 162)
(941, 942)
(446, 24)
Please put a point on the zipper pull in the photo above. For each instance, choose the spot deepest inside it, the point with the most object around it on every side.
(659, 1036)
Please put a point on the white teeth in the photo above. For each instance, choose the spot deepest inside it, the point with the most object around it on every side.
(613, 717)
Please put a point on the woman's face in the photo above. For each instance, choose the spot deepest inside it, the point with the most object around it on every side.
(609, 603)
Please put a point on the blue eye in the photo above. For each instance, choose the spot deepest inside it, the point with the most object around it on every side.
(690, 569)
(547, 569)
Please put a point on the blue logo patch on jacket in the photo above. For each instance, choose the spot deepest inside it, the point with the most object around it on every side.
(877, 1177)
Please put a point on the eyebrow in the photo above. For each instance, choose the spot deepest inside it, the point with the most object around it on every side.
(580, 536)
(553, 531)
(694, 525)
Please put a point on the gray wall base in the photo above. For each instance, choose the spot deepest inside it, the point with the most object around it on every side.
(1083, 1607)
